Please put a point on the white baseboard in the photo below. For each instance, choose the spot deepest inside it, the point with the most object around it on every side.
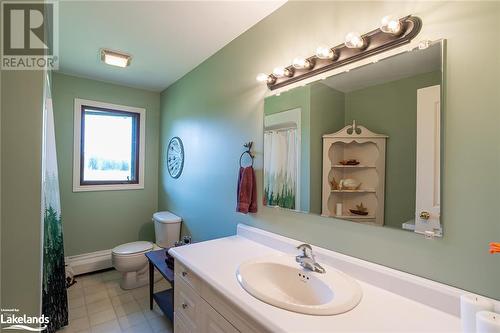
(89, 262)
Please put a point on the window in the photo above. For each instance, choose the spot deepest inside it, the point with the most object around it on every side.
(108, 147)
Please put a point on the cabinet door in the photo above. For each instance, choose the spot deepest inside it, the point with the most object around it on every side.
(428, 160)
(187, 305)
(213, 322)
(180, 326)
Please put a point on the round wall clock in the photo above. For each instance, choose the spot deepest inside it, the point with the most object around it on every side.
(175, 157)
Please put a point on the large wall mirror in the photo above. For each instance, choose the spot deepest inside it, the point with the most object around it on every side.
(363, 145)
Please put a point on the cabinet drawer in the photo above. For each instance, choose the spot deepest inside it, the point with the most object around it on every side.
(187, 276)
(187, 303)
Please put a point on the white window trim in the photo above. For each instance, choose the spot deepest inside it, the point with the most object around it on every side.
(77, 146)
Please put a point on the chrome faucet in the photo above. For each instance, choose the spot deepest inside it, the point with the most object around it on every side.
(306, 259)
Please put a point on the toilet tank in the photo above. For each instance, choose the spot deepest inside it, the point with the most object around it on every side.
(167, 228)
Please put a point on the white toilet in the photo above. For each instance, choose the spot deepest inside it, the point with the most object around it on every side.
(129, 258)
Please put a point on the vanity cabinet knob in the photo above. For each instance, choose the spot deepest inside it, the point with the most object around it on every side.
(184, 306)
(184, 273)
(425, 215)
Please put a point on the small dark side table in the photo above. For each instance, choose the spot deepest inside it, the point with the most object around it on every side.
(165, 298)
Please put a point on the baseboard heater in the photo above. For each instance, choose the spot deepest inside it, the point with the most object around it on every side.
(89, 262)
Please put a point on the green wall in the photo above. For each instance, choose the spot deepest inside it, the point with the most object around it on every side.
(101, 220)
(218, 106)
(327, 116)
(391, 109)
(21, 155)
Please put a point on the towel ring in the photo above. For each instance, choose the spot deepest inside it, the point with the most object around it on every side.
(243, 154)
(248, 151)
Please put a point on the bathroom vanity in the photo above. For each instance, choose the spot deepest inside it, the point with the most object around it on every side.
(209, 297)
(198, 307)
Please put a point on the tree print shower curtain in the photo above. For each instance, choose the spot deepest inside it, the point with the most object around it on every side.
(280, 168)
(54, 296)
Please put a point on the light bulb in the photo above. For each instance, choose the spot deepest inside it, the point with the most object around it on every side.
(279, 71)
(390, 25)
(353, 40)
(262, 77)
(324, 52)
(299, 63)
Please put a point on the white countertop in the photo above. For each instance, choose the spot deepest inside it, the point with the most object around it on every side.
(216, 262)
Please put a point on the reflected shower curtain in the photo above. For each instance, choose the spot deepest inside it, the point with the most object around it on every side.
(280, 167)
(54, 296)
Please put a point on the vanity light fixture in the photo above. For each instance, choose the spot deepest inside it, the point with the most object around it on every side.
(390, 25)
(354, 40)
(326, 53)
(301, 63)
(391, 33)
(262, 77)
(279, 72)
(115, 58)
(289, 71)
(271, 79)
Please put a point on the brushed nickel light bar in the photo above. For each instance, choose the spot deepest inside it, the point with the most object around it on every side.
(391, 34)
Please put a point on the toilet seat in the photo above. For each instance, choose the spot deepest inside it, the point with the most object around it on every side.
(130, 260)
(133, 248)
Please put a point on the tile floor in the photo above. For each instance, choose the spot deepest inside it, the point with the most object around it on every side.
(97, 304)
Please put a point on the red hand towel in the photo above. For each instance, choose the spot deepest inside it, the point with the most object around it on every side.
(247, 191)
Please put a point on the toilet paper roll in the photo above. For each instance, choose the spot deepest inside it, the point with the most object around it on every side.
(487, 322)
(469, 305)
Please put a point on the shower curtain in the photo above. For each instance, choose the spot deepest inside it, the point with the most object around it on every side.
(54, 296)
(280, 167)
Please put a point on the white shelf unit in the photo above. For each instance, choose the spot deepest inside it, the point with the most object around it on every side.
(355, 142)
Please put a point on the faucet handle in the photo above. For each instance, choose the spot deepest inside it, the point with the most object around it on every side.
(304, 248)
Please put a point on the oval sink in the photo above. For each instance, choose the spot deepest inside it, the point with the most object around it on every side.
(283, 283)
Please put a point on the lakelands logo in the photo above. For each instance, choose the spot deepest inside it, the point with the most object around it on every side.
(29, 35)
(16, 321)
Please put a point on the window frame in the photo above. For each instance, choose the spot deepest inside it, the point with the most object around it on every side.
(79, 185)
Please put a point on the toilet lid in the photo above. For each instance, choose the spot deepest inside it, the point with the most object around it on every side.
(166, 217)
(134, 247)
